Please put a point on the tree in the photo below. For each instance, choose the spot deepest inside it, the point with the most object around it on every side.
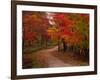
(35, 25)
(65, 26)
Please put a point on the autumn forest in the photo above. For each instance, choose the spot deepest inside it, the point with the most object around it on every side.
(53, 39)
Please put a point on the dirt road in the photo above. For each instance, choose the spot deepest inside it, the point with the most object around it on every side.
(52, 58)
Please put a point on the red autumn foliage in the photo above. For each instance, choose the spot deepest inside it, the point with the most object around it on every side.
(34, 25)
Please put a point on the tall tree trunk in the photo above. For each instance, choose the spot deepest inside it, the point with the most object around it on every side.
(64, 45)
(59, 46)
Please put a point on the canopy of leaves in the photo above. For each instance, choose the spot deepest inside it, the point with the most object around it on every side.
(44, 28)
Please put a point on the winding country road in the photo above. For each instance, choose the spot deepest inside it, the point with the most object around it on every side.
(52, 58)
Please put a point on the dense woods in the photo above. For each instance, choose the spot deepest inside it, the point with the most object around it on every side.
(50, 36)
(68, 31)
